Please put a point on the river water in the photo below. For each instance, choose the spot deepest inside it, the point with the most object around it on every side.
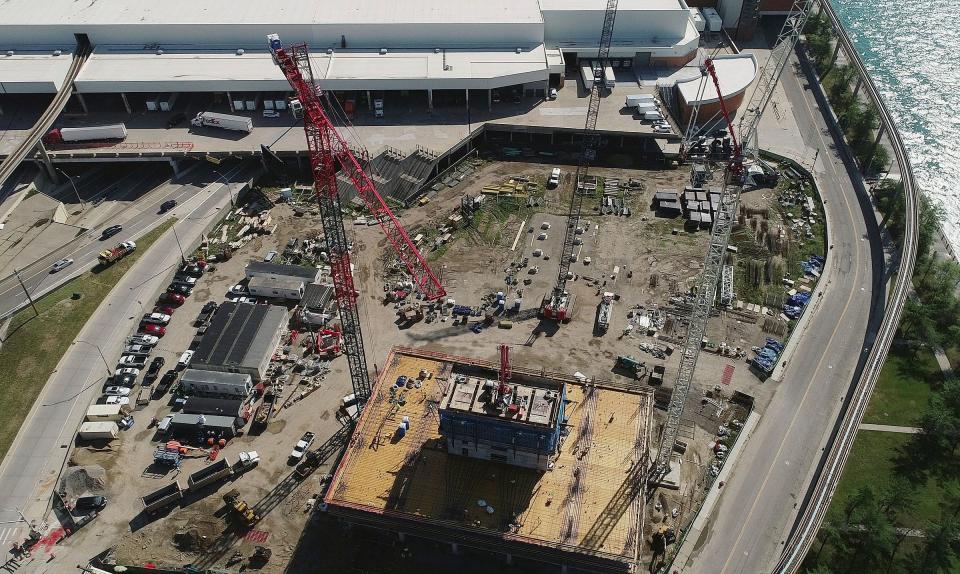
(911, 49)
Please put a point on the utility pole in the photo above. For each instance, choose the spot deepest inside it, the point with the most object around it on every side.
(183, 258)
(27, 293)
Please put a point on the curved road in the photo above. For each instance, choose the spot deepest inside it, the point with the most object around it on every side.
(755, 511)
(805, 529)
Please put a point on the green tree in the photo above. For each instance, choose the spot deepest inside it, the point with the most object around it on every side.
(931, 213)
(938, 550)
(820, 48)
(916, 322)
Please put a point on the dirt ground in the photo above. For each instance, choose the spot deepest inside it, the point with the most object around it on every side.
(644, 260)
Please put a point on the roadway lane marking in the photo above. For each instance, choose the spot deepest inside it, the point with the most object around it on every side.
(806, 393)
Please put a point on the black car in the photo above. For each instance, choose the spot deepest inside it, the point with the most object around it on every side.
(123, 381)
(88, 503)
(168, 378)
(191, 270)
(155, 365)
(168, 205)
(111, 231)
(181, 288)
(176, 119)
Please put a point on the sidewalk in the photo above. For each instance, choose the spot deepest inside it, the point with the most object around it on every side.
(888, 428)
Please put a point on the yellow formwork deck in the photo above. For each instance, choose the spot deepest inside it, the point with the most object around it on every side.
(590, 501)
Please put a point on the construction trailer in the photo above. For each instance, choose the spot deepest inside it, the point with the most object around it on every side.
(108, 413)
(192, 425)
(98, 430)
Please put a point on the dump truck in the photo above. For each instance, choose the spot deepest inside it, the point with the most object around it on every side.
(86, 133)
(109, 256)
(160, 499)
(225, 121)
(209, 474)
(604, 312)
(264, 412)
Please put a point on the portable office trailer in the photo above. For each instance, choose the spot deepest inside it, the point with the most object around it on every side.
(586, 73)
(634, 99)
(98, 430)
(99, 413)
(276, 288)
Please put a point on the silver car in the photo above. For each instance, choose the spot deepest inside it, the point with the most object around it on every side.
(61, 265)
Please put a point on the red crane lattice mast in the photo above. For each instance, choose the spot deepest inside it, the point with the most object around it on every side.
(328, 152)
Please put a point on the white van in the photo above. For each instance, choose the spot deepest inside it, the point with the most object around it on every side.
(554, 180)
(164, 425)
(184, 361)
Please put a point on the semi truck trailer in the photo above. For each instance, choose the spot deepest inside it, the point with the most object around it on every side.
(86, 133)
(227, 122)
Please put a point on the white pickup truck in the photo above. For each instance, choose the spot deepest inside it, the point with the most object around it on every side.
(302, 445)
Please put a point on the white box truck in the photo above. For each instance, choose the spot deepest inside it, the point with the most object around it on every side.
(609, 79)
(644, 107)
(227, 122)
(635, 99)
(167, 101)
(652, 116)
(86, 133)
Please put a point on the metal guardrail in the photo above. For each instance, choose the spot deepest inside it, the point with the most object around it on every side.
(806, 527)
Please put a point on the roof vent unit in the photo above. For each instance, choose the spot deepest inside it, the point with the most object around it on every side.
(57, 52)
(9, 52)
(240, 51)
(329, 50)
(519, 50)
(159, 52)
(436, 50)
(383, 51)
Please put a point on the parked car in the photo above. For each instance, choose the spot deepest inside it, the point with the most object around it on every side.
(172, 298)
(115, 400)
(156, 318)
(136, 350)
(116, 391)
(251, 300)
(238, 289)
(145, 340)
(269, 256)
(132, 361)
(552, 94)
(302, 445)
(90, 503)
(176, 119)
(124, 380)
(185, 279)
(61, 265)
(165, 382)
(155, 365)
(206, 313)
(180, 288)
(126, 371)
(164, 310)
(554, 180)
(191, 269)
(151, 329)
(111, 231)
(184, 361)
(168, 205)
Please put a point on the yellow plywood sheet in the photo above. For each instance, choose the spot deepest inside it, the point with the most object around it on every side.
(591, 499)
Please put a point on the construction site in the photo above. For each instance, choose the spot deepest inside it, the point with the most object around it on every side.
(539, 355)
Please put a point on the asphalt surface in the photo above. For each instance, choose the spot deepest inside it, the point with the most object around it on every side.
(758, 506)
(138, 218)
(30, 469)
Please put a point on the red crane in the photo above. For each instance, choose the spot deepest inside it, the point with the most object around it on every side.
(736, 160)
(328, 153)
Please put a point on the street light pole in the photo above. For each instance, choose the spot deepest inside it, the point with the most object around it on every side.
(75, 190)
(25, 291)
(229, 189)
(183, 258)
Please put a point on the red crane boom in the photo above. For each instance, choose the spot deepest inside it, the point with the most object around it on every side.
(328, 151)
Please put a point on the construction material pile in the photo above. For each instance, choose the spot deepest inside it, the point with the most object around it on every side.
(767, 355)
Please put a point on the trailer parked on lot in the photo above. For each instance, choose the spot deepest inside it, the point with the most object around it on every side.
(99, 430)
(227, 122)
(160, 499)
(86, 133)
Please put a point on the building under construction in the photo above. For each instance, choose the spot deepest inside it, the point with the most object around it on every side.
(543, 467)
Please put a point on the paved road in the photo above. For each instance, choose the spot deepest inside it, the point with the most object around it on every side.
(30, 469)
(137, 219)
(757, 508)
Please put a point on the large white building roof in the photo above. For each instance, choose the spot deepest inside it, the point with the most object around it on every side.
(734, 71)
(220, 12)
